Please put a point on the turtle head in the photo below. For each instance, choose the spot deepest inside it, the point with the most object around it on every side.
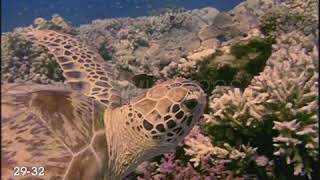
(154, 122)
(168, 111)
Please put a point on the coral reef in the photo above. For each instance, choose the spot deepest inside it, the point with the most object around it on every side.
(269, 130)
(291, 81)
(145, 45)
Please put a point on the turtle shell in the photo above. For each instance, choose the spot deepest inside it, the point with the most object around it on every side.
(52, 127)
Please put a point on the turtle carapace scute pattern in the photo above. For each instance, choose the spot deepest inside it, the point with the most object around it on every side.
(51, 127)
(77, 134)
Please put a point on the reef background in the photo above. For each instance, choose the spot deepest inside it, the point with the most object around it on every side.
(258, 63)
(17, 13)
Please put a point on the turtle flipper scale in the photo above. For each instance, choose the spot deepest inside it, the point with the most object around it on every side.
(83, 68)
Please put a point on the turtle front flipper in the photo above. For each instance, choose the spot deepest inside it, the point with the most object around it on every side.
(83, 68)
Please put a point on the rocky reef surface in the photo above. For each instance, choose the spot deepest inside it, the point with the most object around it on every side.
(258, 63)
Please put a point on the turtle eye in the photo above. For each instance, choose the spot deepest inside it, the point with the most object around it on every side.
(191, 103)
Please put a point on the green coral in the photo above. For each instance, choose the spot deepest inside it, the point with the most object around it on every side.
(53, 70)
(209, 75)
(106, 51)
(143, 81)
(29, 60)
(256, 52)
(235, 69)
(280, 21)
(17, 46)
(294, 16)
(269, 24)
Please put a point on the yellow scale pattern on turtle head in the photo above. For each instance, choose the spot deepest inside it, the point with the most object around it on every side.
(168, 111)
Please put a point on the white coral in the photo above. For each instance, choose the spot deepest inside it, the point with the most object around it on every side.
(188, 65)
(237, 106)
(262, 161)
(245, 151)
(290, 79)
(286, 93)
(200, 146)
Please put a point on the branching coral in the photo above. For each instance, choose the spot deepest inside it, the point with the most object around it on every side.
(172, 168)
(199, 146)
(202, 165)
(239, 108)
(285, 93)
(291, 81)
(235, 159)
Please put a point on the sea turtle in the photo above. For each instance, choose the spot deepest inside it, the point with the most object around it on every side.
(81, 129)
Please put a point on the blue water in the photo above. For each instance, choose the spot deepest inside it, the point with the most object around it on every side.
(22, 12)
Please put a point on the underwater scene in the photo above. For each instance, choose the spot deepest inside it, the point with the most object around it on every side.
(160, 90)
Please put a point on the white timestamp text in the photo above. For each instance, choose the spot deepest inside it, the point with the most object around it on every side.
(27, 171)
